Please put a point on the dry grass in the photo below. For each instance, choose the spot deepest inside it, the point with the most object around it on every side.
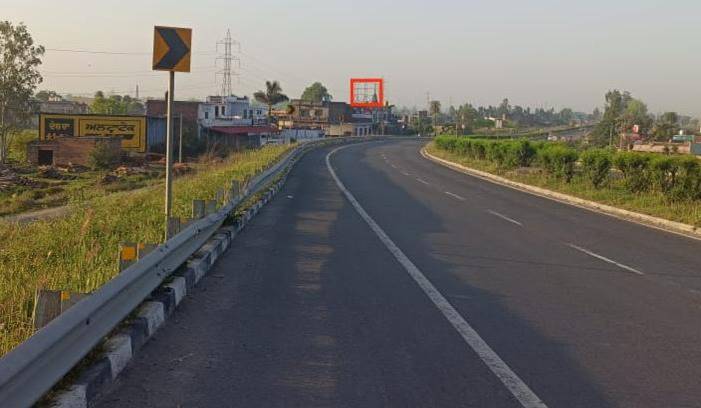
(78, 252)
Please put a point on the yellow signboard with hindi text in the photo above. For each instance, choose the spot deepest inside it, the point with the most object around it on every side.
(131, 129)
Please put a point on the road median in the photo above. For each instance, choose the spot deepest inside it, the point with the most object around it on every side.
(643, 219)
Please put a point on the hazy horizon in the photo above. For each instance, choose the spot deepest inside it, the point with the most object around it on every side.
(542, 53)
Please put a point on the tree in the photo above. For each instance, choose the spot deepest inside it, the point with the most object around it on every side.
(504, 108)
(635, 114)
(666, 126)
(45, 96)
(566, 116)
(316, 92)
(271, 96)
(434, 109)
(115, 105)
(19, 77)
(610, 124)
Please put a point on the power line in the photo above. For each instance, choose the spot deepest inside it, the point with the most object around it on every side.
(203, 85)
(211, 67)
(82, 51)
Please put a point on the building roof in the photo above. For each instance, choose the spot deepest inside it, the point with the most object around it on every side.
(244, 130)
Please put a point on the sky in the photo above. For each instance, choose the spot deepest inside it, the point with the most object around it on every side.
(539, 53)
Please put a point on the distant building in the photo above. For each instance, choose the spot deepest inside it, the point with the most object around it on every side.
(333, 118)
(233, 122)
(63, 107)
(188, 109)
(231, 111)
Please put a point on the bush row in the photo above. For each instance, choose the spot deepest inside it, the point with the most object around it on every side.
(678, 177)
(558, 160)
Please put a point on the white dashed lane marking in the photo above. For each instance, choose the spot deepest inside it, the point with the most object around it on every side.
(505, 218)
(603, 258)
(455, 196)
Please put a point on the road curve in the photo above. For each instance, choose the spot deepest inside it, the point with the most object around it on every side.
(312, 307)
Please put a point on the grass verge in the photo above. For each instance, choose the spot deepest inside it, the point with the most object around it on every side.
(78, 252)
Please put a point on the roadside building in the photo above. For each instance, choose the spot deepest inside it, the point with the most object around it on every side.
(183, 111)
(234, 123)
(70, 151)
(230, 111)
(333, 118)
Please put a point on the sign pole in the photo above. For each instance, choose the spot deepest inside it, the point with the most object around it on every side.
(171, 52)
(169, 152)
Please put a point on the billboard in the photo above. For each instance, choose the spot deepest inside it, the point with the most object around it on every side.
(131, 129)
(367, 92)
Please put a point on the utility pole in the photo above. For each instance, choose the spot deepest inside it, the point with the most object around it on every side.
(180, 142)
(226, 72)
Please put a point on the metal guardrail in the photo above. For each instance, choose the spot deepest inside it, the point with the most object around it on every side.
(35, 366)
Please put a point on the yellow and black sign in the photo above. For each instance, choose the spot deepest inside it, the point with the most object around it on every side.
(131, 129)
(171, 49)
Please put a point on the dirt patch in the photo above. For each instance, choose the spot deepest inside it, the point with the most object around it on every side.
(9, 179)
(53, 173)
(180, 169)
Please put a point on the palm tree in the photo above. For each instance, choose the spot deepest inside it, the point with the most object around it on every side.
(271, 96)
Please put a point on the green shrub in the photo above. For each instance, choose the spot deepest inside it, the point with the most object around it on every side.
(520, 153)
(663, 172)
(496, 153)
(558, 160)
(596, 166)
(102, 157)
(688, 179)
(634, 167)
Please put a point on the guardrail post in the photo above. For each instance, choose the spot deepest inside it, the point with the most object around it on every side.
(49, 304)
(144, 249)
(185, 222)
(127, 255)
(173, 226)
(198, 209)
(235, 188)
(211, 207)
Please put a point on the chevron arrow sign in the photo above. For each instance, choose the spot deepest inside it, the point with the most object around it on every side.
(171, 49)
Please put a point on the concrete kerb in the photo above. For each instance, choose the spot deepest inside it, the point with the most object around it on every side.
(120, 348)
(674, 227)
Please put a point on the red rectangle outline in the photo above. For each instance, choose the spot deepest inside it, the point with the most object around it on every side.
(380, 97)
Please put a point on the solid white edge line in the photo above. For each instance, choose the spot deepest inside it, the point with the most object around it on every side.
(504, 217)
(603, 258)
(455, 196)
(513, 383)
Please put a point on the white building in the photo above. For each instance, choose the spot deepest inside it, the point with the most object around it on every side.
(231, 111)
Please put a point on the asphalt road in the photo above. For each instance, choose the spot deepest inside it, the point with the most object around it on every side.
(311, 308)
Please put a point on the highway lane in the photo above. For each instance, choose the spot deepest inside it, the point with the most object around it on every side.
(309, 308)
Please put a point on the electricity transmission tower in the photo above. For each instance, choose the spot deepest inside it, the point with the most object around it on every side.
(229, 60)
